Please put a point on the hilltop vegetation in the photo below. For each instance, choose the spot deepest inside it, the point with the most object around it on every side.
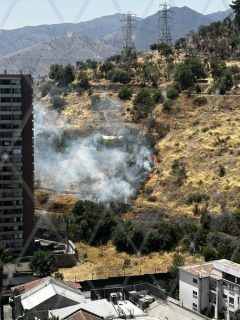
(187, 100)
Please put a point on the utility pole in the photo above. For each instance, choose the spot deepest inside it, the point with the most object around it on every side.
(165, 24)
(129, 49)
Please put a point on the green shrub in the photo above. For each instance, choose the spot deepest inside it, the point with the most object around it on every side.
(222, 171)
(83, 81)
(55, 91)
(63, 75)
(210, 254)
(143, 104)
(197, 197)
(119, 75)
(189, 71)
(57, 102)
(125, 93)
(179, 171)
(158, 96)
(172, 93)
(167, 105)
(200, 101)
(85, 216)
(43, 263)
(45, 88)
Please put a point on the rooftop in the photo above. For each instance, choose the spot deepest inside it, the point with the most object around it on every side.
(34, 284)
(172, 311)
(203, 270)
(227, 263)
(83, 315)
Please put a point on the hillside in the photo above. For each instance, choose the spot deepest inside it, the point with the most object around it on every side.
(149, 148)
(205, 138)
(68, 49)
(98, 39)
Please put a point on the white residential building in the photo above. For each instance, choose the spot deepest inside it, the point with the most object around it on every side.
(212, 288)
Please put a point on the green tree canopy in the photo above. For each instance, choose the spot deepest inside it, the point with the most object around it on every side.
(43, 263)
(236, 8)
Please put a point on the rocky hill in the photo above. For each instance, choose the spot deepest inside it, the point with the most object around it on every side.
(32, 49)
(68, 49)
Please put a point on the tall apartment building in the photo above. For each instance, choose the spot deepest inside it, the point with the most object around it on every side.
(212, 288)
(16, 161)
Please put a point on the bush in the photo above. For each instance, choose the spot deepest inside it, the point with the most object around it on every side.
(85, 216)
(179, 171)
(224, 83)
(158, 96)
(63, 75)
(172, 93)
(83, 81)
(178, 261)
(197, 198)
(222, 171)
(119, 75)
(55, 91)
(125, 93)
(45, 88)
(210, 254)
(189, 71)
(200, 101)
(143, 104)
(43, 263)
(128, 237)
(57, 102)
(167, 105)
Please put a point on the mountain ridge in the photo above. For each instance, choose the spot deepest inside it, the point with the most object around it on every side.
(16, 44)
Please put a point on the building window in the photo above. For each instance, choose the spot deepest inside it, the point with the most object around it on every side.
(195, 294)
(195, 280)
(224, 296)
(231, 300)
(231, 287)
(194, 307)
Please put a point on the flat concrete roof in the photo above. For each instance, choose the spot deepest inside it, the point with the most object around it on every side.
(203, 270)
(172, 311)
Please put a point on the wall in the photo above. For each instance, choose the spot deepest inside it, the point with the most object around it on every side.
(186, 287)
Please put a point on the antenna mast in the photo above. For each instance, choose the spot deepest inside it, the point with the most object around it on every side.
(165, 24)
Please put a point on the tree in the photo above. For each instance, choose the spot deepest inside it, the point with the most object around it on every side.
(83, 81)
(184, 76)
(189, 71)
(43, 263)
(236, 8)
(210, 254)
(5, 258)
(90, 218)
(143, 104)
(218, 68)
(178, 261)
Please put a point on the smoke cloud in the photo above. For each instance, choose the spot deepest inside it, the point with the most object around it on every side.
(106, 166)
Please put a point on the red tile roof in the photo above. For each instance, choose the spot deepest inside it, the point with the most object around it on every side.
(83, 315)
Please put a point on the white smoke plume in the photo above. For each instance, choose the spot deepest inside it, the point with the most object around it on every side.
(94, 167)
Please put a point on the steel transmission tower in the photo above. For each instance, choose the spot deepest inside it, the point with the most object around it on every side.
(165, 24)
(129, 49)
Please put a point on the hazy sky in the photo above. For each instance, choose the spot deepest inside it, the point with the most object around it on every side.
(18, 13)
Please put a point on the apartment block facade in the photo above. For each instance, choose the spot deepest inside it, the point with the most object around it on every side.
(212, 289)
(16, 161)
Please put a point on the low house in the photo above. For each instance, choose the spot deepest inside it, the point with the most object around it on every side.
(33, 300)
